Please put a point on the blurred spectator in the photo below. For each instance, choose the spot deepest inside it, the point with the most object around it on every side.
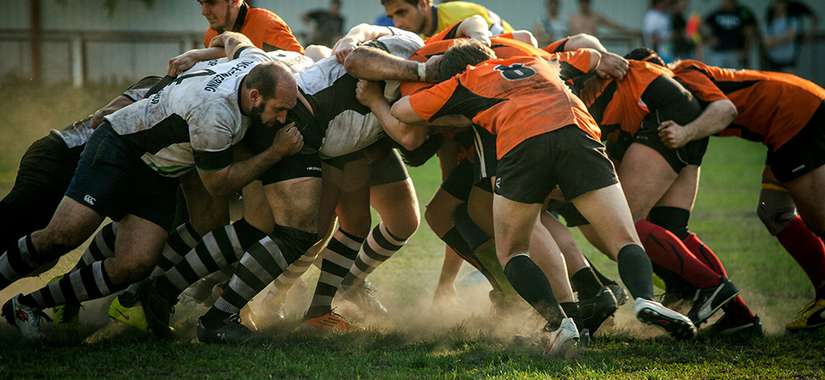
(730, 30)
(326, 25)
(801, 12)
(781, 34)
(552, 26)
(656, 29)
(686, 37)
(426, 19)
(589, 21)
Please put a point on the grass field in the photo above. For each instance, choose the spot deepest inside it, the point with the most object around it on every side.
(418, 342)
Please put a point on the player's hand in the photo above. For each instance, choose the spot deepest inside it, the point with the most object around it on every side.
(611, 66)
(288, 141)
(342, 49)
(674, 135)
(368, 92)
(481, 36)
(218, 41)
(181, 63)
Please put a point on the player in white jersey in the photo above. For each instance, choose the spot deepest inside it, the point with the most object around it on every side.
(333, 123)
(129, 166)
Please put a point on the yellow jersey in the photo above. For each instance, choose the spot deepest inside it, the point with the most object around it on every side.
(447, 14)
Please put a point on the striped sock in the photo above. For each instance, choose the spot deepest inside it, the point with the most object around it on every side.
(261, 264)
(338, 257)
(18, 261)
(179, 243)
(216, 250)
(101, 248)
(88, 282)
(379, 247)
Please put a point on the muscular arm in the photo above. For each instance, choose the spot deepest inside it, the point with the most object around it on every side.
(231, 42)
(375, 64)
(713, 120)
(584, 40)
(227, 180)
(475, 27)
(410, 136)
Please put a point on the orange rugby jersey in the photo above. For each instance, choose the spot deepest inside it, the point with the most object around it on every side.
(514, 99)
(773, 107)
(266, 30)
(573, 64)
(617, 104)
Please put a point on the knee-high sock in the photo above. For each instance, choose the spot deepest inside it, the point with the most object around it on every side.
(261, 264)
(636, 271)
(338, 257)
(668, 252)
(531, 284)
(461, 247)
(737, 306)
(101, 247)
(88, 282)
(808, 250)
(379, 246)
(216, 250)
(295, 270)
(19, 260)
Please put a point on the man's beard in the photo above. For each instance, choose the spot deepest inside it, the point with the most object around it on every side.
(255, 116)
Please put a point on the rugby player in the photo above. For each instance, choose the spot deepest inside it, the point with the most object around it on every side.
(785, 113)
(348, 127)
(129, 171)
(419, 16)
(264, 28)
(489, 95)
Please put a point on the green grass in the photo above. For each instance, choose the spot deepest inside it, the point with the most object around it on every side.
(417, 342)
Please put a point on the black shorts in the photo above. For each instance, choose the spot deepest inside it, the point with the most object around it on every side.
(385, 163)
(572, 216)
(301, 165)
(460, 181)
(45, 172)
(112, 180)
(690, 154)
(802, 153)
(566, 157)
(617, 144)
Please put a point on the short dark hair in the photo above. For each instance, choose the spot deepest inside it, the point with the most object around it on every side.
(464, 52)
(645, 54)
(264, 78)
(411, 2)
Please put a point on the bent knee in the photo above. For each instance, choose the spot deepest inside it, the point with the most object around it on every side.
(775, 219)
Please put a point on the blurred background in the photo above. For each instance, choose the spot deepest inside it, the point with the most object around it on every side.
(87, 42)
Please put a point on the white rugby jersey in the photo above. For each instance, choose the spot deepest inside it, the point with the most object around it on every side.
(331, 90)
(79, 132)
(296, 62)
(194, 120)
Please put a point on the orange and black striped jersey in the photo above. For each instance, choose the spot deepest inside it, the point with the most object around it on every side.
(618, 103)
(773, 107)
(514, 99)
(573, 63)
(266, 30)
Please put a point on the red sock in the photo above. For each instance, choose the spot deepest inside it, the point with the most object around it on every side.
(667, 251)
(704, 253)
(737, 308)
(808, 250)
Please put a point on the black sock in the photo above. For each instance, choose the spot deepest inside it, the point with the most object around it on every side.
(586, 283)
(531, 284)
(602, 278)
(673, 219)
(571, 309)
(636, 271)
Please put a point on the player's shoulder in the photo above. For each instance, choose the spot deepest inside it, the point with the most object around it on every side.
(462, 8)
(262, 15)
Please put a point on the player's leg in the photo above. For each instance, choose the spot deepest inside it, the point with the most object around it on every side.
(392, 194)
(293, 191)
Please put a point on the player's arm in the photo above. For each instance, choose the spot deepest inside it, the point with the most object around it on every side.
(371, 63)
(525, 36)
(610, 64)
(475, 27)
(356, 36)
(409, 135)
(676, 133)
(185, 61)
(231, 42)
(221, 175)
